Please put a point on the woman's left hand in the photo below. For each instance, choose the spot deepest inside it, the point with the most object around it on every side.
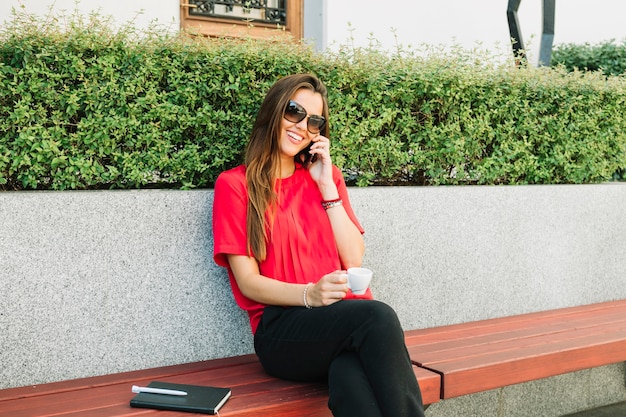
(322, 169)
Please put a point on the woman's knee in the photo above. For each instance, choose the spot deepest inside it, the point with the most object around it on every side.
(379, 320)
(383, 314)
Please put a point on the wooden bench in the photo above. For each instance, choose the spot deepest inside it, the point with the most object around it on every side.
(254, 393)
(450, 361)
(488, 354)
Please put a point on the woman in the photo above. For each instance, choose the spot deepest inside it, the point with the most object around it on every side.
(284, 229)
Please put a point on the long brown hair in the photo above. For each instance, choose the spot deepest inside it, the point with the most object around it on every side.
(262, 158)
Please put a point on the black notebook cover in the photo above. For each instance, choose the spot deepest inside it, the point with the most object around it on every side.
(199, 399)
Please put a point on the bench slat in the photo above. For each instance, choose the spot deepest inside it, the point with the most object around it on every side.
(517, 331)
(128, 377)
(488, 354)
(531, 321)
(430, 384)
(462, 380)
(254, 392)
(251, 391)
(510, 346)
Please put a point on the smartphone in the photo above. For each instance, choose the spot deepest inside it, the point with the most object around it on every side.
(305, 157)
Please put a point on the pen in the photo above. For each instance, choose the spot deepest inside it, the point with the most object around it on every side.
(162, 391)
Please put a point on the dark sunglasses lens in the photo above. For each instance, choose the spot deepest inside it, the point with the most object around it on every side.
(316, 124)
(294, 112)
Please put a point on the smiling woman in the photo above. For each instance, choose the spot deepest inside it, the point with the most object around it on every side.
(287, 266)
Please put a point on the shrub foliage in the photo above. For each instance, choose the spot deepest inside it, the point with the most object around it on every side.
(608, 57)
(85, 107)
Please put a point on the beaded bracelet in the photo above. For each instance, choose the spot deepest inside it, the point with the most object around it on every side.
(331, 203)
(306, 303)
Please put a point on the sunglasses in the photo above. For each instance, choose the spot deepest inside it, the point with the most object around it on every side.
(295, 113)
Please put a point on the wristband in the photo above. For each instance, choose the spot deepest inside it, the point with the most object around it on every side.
(327, 204)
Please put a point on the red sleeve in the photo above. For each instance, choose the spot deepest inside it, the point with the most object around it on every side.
(229, 215)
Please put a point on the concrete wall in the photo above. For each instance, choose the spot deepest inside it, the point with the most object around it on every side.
(107, 281)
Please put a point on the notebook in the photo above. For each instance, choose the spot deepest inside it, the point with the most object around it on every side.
(199, 399)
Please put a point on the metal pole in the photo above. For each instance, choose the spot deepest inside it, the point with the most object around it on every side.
(547, 35)
(514, 29)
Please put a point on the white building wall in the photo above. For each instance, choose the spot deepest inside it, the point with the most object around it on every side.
(140, 12)
(413, 22)
(468, 23)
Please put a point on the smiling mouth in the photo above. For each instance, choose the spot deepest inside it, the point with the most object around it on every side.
(295, 137)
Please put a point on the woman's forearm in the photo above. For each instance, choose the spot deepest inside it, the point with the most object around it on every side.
(347, 237)
(327, 290)
(263, 289)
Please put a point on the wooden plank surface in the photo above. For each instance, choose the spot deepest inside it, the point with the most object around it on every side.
(524, 321)
(430, 384)
(450, 361)
(103, 380)
(463, 378)
(254, 392)
(478, 356)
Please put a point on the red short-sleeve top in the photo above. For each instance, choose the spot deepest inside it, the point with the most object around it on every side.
(301, 246)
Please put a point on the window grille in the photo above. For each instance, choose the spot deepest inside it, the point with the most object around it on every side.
(272, 12)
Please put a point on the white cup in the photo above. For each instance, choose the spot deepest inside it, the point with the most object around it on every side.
(359, 279)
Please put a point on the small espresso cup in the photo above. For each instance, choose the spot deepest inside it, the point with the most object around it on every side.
(359, 279)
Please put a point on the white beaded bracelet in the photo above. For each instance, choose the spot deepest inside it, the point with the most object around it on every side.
(306, 303)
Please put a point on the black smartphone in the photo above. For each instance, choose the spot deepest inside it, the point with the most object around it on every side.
(304, 157)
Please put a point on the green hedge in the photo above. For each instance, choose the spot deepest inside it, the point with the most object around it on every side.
(86, 107)
(608, 57)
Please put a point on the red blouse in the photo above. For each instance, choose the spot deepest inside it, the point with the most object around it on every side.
(301, 247)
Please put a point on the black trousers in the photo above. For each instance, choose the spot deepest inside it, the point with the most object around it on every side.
(357, 345)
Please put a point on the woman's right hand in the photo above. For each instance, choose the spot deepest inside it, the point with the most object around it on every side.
(331, 288)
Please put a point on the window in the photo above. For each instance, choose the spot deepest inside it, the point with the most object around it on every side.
(255, 18)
